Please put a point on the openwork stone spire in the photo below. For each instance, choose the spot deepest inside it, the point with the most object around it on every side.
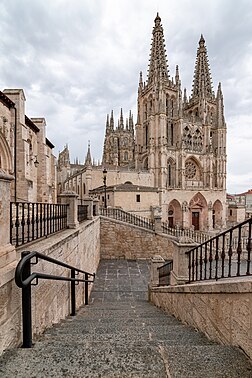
(202, 81)
(88, 160)
(158, 69)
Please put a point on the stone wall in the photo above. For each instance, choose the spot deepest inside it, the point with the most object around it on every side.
(126, 241)
(222, 310)
(50, 299)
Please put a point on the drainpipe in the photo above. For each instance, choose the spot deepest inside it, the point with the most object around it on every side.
(15, 155)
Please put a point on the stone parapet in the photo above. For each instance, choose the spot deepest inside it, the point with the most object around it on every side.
(222, 310)
(127, 241)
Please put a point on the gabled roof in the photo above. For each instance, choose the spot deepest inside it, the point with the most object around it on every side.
(126, 187)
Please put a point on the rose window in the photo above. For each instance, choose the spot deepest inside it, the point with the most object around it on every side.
(190, 170)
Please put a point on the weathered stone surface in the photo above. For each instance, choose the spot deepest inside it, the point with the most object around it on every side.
(120, 240)
(121, 335)
(222, 310)
(50, 299)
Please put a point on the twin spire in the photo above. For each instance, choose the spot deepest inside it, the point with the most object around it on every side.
(158, 67)
(202, 81)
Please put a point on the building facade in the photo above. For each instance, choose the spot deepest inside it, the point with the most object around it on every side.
(178, 144)
(25, 152)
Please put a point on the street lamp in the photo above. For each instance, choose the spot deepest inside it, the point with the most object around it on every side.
(105, 186)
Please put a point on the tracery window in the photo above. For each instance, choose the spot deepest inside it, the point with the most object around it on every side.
(190, 170)
(193, 139)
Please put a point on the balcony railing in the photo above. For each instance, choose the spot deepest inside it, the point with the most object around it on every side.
(226, 255)
(31, 221)
(82, 212)
(197, 236)
(124, 216)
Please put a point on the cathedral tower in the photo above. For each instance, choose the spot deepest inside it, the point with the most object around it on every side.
(118, 147)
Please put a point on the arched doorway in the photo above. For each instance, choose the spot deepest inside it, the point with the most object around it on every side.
(217, 214)
(174, 214)
(199, 212)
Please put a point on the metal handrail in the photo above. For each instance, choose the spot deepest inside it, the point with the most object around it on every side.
(24, 278)
(220, 247)
(128, 217)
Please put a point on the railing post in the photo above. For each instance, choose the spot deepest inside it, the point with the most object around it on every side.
(73, 306)
(86, 289)
(70, 198)
(180, 271)
(26, 306)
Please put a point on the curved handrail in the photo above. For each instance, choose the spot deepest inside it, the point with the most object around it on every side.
(24, 278)
(22, 264)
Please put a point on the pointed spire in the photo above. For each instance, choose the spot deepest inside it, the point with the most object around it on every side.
(127, 124)
(140, 87)
(177, 75)
(107, 125)
(131, 122)
(202, 81)
(185, 96)
(158, 69)
(88, 160)
(220, 108)
(121, 125)
(111, 121)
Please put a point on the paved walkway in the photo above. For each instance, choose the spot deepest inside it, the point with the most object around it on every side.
(121, 335)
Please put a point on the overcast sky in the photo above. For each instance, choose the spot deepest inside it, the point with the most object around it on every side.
(78, 59)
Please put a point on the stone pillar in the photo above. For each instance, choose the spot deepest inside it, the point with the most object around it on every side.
(157, 216)
(180, 273)
(89, 202)
(210, 216)
(7, 250)
(70, 198)
(185, 215)
(96, 206)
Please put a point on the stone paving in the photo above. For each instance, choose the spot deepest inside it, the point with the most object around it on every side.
(121, 335)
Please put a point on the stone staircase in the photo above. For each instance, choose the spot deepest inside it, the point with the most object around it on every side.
(121, 335)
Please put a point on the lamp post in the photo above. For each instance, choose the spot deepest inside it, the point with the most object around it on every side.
(105, 186)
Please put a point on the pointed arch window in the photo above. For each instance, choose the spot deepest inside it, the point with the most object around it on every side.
(170, 174)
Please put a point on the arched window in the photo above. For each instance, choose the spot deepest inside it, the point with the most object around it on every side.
(146, 135)
(126, 156)
(170, 173)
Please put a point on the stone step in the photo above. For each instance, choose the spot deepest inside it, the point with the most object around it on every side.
(121, 335)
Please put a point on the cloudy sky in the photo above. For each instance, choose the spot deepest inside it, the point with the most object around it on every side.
(78, 59)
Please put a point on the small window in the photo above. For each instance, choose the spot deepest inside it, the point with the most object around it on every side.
(230, 212)
(102, 198)
(138, 197)
(108, 196)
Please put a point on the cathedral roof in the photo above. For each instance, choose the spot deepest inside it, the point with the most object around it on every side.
(158, 68)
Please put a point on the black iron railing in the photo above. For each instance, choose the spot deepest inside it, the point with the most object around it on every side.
(223, 256)
(31, 221)
(197, 236)
(82, 212)
(124, 216)
(24, 278)
(164, 273)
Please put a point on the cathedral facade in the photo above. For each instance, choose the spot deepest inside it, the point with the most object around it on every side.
(178, 144)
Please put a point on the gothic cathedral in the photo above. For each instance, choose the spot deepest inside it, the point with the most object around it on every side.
(179, 140)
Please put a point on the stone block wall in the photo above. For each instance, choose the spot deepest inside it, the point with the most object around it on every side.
(222, 310)
(50, 299)
(126, 241)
